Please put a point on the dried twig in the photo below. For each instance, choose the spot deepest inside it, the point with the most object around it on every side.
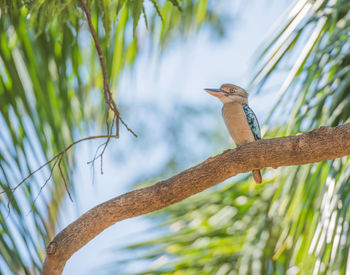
(107, 93)
(111, 106)
(56, 157)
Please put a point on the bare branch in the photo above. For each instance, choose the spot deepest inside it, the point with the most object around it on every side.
(319, 145)
(111, 106)
(107, 93)
(55, 158)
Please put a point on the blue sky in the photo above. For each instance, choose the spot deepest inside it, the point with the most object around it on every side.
(179, 76)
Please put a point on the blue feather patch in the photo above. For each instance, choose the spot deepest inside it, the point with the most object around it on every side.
(252, 121)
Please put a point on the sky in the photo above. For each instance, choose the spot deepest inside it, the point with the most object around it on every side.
(178, 76)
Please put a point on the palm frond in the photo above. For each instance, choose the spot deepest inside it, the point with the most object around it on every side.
(299, 222)
(48, 80)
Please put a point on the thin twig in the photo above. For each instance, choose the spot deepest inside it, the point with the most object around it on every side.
(110, 130)
(126, 126)
(107, 93)
(41, 188)
(56, 157)
(27, 177)
(111, 106)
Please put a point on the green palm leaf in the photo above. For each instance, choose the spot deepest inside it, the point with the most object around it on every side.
(297, 223)
(48, 73)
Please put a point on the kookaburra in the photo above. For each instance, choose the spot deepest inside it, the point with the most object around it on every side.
(240, 120)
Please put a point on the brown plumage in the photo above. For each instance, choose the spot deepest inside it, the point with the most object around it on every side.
(235, 117)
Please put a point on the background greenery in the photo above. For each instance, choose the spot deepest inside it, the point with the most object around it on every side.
(296, 222)
(50, 95)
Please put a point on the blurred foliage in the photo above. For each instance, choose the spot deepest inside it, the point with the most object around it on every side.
(170, 138)
(50, 93)
(298, 221)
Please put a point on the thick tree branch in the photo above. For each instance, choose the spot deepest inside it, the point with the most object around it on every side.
(319, 145)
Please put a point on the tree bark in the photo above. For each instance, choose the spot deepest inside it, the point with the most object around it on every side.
(319, 145)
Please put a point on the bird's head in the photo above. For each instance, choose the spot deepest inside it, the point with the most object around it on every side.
(229, 93)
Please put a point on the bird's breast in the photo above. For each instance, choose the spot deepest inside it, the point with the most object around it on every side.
(237, 123)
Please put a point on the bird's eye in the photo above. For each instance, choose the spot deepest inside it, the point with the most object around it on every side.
(232, 90)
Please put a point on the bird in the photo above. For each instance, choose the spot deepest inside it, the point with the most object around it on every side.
(239, 118)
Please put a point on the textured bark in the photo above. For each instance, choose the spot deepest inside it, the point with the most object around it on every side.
(319, 145)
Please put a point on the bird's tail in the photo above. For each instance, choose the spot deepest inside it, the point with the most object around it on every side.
(257, 176)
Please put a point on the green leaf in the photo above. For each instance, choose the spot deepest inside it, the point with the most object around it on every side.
(176, 3)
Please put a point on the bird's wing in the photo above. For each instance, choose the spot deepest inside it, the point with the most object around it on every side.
(252, 121)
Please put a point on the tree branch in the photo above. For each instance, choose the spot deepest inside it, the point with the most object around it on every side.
(319, 145)
(111, 106)
(107, 93)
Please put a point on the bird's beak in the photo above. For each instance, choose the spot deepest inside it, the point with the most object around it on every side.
(216, 92)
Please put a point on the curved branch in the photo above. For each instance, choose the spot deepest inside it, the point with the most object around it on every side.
(319, 145)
